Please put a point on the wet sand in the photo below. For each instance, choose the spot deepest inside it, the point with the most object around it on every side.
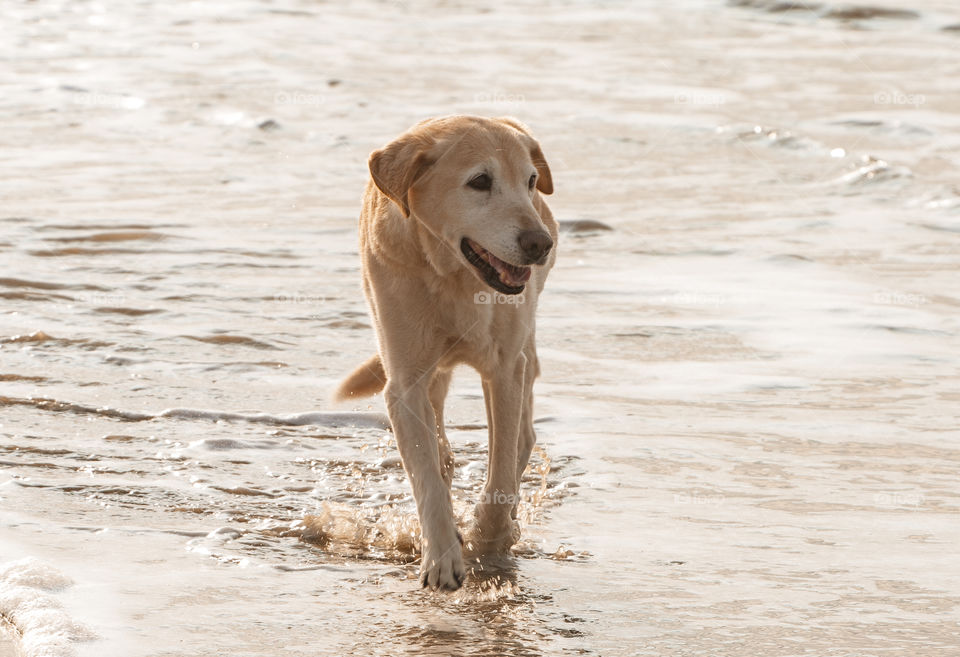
(747, 417)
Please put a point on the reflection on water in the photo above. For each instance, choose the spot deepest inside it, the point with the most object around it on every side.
(746, 418)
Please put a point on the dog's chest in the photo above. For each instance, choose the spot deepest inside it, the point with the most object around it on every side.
(481, 333)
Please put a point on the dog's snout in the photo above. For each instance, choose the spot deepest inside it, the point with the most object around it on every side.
(535, 244)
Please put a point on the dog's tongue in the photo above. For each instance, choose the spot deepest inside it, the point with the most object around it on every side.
(509, 274)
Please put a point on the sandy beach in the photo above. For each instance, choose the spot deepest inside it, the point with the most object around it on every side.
(748, 412)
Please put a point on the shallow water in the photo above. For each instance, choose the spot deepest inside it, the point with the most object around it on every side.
(748, 410)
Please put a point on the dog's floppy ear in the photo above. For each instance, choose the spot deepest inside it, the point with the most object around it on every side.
(397, 166)
(544, 177)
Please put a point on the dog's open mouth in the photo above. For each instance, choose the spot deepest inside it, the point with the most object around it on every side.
(500, 275)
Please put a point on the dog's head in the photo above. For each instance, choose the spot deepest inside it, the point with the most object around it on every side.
(472, 183)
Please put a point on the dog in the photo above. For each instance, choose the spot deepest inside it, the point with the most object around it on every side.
(456, 243)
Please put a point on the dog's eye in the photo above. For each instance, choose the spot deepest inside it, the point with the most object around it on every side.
(483, 182)
(532, 181)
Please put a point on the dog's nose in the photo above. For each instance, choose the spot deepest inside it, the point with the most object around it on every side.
(535, 244)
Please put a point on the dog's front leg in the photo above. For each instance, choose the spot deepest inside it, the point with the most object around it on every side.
(495, 529)
(415, 429)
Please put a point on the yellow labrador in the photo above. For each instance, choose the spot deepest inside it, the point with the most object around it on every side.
(456, 243)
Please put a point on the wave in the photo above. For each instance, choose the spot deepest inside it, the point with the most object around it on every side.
(27, 602)
(817, 10)
(329, 419)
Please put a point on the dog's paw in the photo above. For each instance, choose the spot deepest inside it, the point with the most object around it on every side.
(442, 565)
(493, 532)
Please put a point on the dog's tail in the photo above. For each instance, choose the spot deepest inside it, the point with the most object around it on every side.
(368, 379)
